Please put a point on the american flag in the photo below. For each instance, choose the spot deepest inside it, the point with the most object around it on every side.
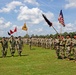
(61, 18)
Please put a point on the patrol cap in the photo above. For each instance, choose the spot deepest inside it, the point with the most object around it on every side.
(4, 37)
(11, 35)
(75, 34)
(68, 35)
(19, 36)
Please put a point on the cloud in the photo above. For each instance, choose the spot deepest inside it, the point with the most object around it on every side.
(39, 30)
(7, 24)
(31, 2)
(1, 20)
(70, 27)
(70, 4)
(4, 24)
(33, 15)
(10, 6)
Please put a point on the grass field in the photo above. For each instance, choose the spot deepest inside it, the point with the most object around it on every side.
(38, 61)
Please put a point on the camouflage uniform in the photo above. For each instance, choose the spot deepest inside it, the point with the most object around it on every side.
(20, 45)
(50, 42)
(62, 48)
(74, 47)
(57, 45)
(12, 45)
(30, 42)
(68, 47)
(4, 43)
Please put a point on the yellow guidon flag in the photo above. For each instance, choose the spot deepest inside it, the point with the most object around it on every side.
(24, 27)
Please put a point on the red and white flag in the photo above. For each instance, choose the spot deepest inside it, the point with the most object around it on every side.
(12, 31)
(15, 30)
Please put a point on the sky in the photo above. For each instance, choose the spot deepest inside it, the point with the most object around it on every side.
(14, 13)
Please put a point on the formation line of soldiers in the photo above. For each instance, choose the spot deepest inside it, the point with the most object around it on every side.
(13, 44)
(65, 47)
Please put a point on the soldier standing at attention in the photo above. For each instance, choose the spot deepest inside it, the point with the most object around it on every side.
(20, 45)
(62, 47)
(30, 42)
(74, 46)
(57, 45)
(68, 46)
(4, 44)
(12, 45)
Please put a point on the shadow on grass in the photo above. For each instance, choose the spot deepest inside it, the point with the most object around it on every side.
(21, 55)
(32, 49)
(65, 58)
(15, 56)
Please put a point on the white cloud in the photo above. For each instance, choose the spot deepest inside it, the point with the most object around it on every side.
(7, 24)
(70, 27)
(31, 2)
(50, 16)
(10, 6)
(1, 20)
(70, 4)
(33, 15)
(4, 24)
(39, 30)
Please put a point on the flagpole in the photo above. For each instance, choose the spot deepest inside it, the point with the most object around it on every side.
(55, 29)
(16, 34)
(60, 30)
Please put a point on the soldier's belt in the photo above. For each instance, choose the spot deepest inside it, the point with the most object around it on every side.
(62, 45)
(74, 45)
(68, 45)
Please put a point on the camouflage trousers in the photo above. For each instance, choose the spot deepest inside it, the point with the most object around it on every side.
(62, 52)
(19, 51)
(4, 52)
(12, 50)
(58, 51)
(74, 49)
(68, 52)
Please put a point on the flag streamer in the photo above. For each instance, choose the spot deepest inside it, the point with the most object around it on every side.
(49, 23)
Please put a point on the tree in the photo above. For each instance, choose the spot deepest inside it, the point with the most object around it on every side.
(26, 36)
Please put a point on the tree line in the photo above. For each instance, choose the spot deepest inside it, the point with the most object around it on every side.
(50, 35)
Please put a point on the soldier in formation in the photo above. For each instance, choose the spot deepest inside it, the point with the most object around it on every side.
(65, 47)
(68, 46)
(57, 46)
(74, 46)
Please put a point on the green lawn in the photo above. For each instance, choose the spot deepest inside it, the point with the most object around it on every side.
(38, 61)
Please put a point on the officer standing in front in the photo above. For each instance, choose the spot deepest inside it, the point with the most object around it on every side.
(4, 44)
(20, 45)
(12, 45)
